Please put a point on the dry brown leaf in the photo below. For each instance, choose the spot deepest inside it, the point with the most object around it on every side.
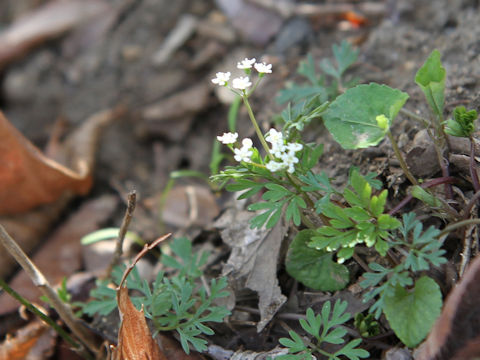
(135, 341)
(253, 260)
(18, 347)
(61, 254)
(29, 179)
(456, 334)
(79, 148)
(49, 21)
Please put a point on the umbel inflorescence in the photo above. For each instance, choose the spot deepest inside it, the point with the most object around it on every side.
(282, 155)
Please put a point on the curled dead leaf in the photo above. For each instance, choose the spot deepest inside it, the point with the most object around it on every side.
(135, 341)
(29, 179)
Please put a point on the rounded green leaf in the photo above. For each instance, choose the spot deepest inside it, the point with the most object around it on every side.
(411, 314)
(361, 116)
(314, 268)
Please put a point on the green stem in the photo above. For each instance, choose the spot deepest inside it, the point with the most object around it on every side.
(41, 315)
(415, 117)
(457, 225)
(401, 160)
(257, 128)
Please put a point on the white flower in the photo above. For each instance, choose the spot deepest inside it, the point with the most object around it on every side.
(241, 83)
(228, 138)
(274, 136)
(294, 147)
(246, 64)
(263, 68)
(274, 166)
(222, 78)
(289, 159)
(247, 143)
(245, 152)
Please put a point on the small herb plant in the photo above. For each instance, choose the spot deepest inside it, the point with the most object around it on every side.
(172, 303)
(325, 327)
(282, 180)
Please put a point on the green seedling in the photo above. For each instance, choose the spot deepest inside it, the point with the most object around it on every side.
(172, 303)
(325, 327)
(367, 326)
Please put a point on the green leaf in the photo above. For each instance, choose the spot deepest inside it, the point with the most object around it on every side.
(411, 313)
(345, 55)
(431, 79)
(294, 345)
(462, 124)
(314, 268)
(108, 234)
(351, 118)
(424, 196)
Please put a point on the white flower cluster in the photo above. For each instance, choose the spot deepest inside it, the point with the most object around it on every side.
(241, 154)
(242, 83)
(285, 153)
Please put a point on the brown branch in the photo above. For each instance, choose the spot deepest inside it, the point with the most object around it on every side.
(145, 249)
(132, 201)
(63, 310)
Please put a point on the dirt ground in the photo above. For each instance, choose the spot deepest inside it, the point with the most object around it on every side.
(120, 57)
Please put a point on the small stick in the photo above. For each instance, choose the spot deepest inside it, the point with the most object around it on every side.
(466, 253)
(146, 248)
(63, 310)
(132, 201)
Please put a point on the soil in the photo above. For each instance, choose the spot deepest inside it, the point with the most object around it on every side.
(114, 61)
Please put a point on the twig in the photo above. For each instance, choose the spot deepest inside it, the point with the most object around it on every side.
(63, 310)
(146, 248)
(132, 201)
(458, 225)
(466, 253)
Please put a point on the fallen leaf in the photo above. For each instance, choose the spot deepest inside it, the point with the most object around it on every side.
(29, 179)
(253, 260)
(79, 148)
(61, 254)
(135, 341)
(47, 22)
(456, 333)
(19, 346)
